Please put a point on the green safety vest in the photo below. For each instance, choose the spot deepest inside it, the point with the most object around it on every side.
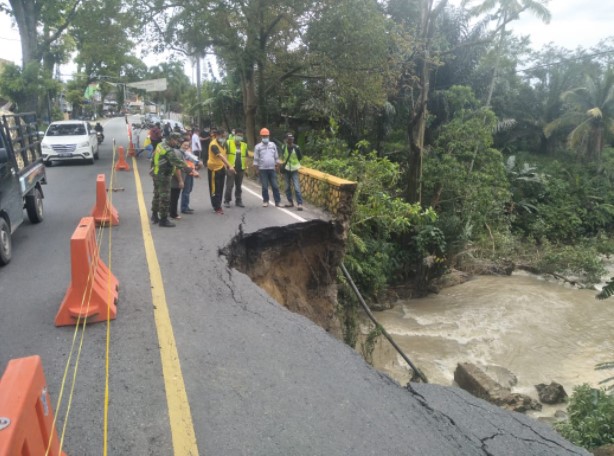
(293, 164)
(232, 153)
(164, 162)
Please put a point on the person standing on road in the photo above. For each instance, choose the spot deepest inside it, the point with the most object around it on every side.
(188, 178)
(291, 158)
(167, 129)
(164, 164)
(237, 152)
(177, 177)
(155, 135)
(217, 165)
(197, 147)
(266, 159)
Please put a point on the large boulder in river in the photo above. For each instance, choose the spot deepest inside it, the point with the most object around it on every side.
(554, 393)
(474, 380)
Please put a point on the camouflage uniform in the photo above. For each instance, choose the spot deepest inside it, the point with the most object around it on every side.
(164, 163)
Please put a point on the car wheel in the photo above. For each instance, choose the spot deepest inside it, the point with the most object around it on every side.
(96, 156)
(91, 161)
(6, 246)
(48, 163)
(34, 206)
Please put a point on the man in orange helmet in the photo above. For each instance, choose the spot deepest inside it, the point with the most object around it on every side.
(266, 158)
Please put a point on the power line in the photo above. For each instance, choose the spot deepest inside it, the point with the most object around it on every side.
(9, 39)
(560, 62)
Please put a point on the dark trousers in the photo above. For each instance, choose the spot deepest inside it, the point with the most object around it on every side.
(175, 192)
(216, 187)
(188, 185)
(234, 181)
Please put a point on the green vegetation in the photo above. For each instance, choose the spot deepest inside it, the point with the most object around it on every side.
(591, 414)
(469, 148)
(463, 159)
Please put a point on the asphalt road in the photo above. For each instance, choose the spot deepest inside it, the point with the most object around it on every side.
(259, 379)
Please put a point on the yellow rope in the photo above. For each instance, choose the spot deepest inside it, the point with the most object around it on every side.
(80, 322)
(105, 423)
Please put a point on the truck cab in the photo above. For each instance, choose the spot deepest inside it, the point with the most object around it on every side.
(22, 175)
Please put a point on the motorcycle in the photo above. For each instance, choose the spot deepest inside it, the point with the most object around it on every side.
(99, 137)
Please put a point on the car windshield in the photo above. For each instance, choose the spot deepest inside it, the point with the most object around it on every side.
(66, 130)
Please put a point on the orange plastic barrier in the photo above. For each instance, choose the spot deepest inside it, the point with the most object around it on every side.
(103, 212)
(26, 416)
(131, 149)
(122, 164)
(93, 289)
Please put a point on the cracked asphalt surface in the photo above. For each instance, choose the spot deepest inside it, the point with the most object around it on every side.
(260, 380)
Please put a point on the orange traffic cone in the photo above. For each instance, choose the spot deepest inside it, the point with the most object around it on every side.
(25, 405)
(103, 212)
(93, 289)
(122, 164)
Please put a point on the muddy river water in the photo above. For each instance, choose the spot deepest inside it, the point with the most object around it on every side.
(540, 331)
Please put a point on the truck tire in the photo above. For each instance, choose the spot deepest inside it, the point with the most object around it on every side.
(34, 206)
(6, 246)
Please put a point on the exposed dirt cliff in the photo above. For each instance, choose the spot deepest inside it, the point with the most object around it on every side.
(295, 264)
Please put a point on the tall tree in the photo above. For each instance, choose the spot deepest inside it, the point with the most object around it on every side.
(102, 36)
(240, 33)
(41, 24)
(348, 44)
(589, 114)
(503, 12)
(177, 84)
(417, 25)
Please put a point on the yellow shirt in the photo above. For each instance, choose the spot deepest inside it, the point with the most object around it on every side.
(214, 162)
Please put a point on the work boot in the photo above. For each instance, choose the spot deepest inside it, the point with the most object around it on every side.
(239, 204)
(165, 222)
(154, 217)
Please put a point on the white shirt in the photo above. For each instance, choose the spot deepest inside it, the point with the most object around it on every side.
(196, 145)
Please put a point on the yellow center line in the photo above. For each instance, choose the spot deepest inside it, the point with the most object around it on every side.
(180, 417)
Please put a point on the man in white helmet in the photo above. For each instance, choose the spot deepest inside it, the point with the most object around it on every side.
(266, 158)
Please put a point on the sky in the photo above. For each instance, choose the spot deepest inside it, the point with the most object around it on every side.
(574, 23)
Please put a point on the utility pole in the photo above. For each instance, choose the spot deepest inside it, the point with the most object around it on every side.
(198, 91)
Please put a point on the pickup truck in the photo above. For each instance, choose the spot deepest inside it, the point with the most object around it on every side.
(22, 174)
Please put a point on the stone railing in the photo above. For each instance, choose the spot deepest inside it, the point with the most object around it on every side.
(328, 192)
(323, 190)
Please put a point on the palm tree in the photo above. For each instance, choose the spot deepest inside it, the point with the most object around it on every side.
(606, 292)
(590, 115)
(505, 11)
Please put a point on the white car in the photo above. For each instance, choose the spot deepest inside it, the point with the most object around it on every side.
(68, 140)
